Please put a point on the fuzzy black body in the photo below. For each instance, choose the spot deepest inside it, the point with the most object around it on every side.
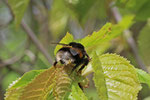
(72, 53)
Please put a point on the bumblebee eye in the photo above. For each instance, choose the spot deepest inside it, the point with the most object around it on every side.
(76, 45)
(73, 52)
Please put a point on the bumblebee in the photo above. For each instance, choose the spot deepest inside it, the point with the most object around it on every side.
(72, 53)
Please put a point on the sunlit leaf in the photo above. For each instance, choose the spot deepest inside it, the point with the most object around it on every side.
(38, 88)
(126, 21)
(77, 93)
(97, 37)
(120, 77)
(124, 24)
(62, 84)
(15, 89)
(99, 78)
(91, 42)
(51, 83)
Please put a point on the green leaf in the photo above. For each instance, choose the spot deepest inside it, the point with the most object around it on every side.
(97, 37)
(99, 78)
(80, 7)
(121, 79)
(143, 77)
(18, 7)
(12, 46)
(39, 86)
(144, 43)
(77, 93)
(126, 21)
(58, 18)
(11, 76)
(97, 40)
(62, 83)
(131, 5)
(54, 82)
(67, 39)
(143, 13)
(15, 89)
(27, 78)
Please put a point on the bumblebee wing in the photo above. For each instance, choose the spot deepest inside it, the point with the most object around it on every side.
(73, 52)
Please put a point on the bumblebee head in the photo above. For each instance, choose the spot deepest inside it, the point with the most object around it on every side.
(72, 45)
(77, 45)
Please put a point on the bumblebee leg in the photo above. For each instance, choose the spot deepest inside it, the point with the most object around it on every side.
(86, 61)
(75, 67)
(55, 63)
(80, 86)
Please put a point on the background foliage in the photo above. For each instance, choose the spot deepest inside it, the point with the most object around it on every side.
(51, 19)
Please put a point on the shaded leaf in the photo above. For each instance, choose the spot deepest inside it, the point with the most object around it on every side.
(10, 45)
(11, 76)
(80, 7)
(143, 13)
(143, 43)
(143, 77)
(58, 18)
(18, 7)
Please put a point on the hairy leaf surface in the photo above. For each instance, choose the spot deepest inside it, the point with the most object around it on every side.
(76, 93)
(97, 37)
(62, 84)
(38, 88)
(52, 83)
(120, 77)
(15, 89)
(99, 78)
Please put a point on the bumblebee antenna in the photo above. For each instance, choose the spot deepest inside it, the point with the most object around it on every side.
(61, 44)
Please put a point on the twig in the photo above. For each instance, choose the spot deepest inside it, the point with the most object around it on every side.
(9, 61)
(32, 35)
(130, 40)
(37, 43)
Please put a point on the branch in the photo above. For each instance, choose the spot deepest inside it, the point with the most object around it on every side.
(130, 39)
(37, 43)
(9, 61)
(32, 35)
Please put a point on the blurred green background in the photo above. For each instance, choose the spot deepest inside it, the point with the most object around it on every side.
(50, 20)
